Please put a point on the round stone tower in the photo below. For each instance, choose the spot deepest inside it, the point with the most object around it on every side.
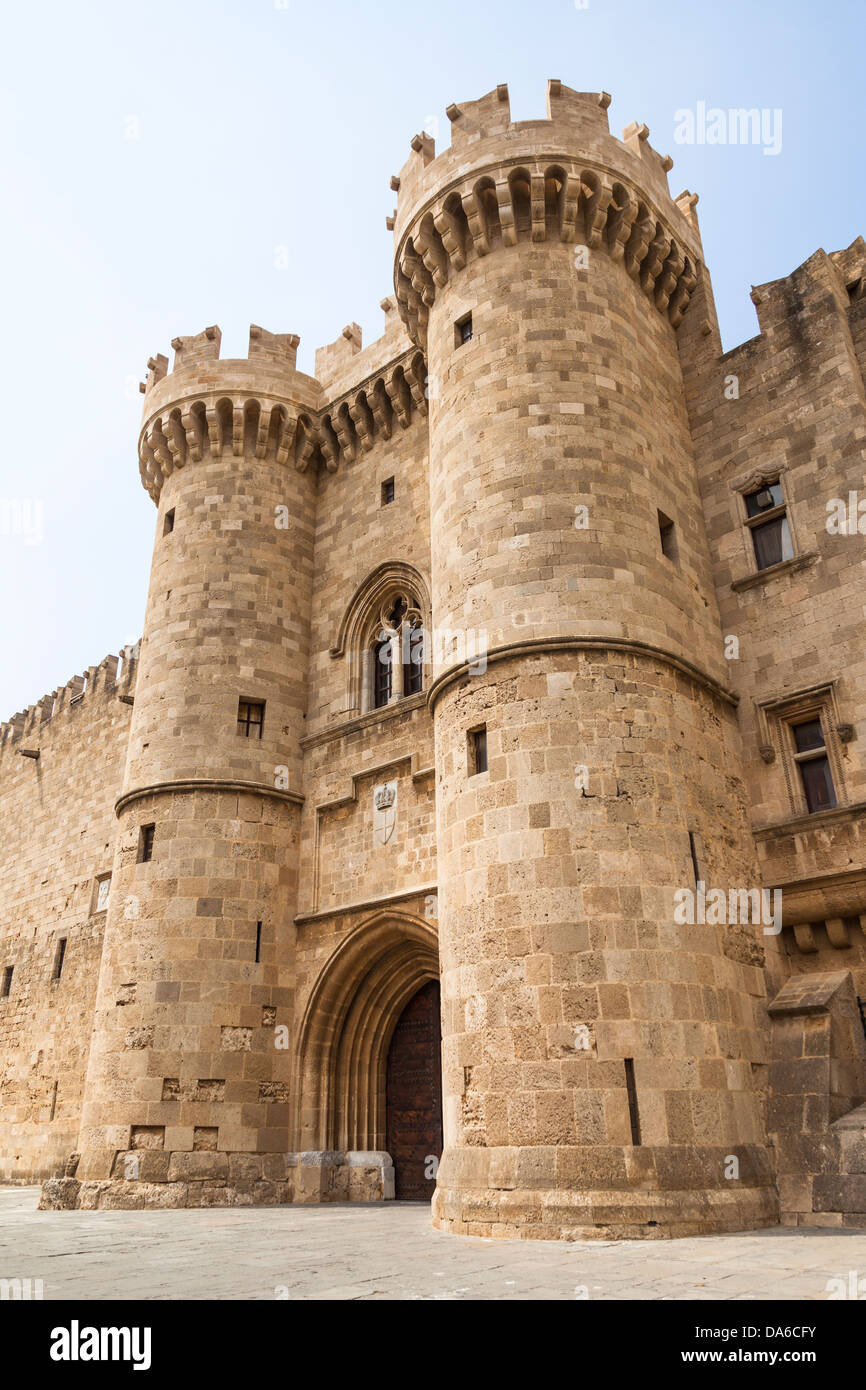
(602, 1062)
(187, 1090)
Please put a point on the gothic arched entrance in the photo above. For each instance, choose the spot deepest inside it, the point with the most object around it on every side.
(413, 1092)
(351, 1018)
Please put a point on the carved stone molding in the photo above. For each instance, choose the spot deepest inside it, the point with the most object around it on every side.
(552, 198)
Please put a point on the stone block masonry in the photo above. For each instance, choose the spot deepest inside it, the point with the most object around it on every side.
(462, 658)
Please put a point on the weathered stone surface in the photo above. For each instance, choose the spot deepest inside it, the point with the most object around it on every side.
(459, 666)
(59, 1194)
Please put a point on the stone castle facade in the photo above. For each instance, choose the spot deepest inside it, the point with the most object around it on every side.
(508, 657)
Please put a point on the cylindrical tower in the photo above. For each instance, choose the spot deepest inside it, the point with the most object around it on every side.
(601, 1062)
(187, 1090)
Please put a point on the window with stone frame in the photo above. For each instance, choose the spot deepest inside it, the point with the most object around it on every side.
(382, 645)
(768, 524)
(251, 718)
(805, 734)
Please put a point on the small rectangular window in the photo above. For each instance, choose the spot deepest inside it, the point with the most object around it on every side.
(387, 492)
(59, 957)
(6, 989)
(668, 537)
(814, 764)
(767, 519)
(251, 718)
(168, 524)
(478, 751)
(463, 330)
(258, 942)
(145, 843)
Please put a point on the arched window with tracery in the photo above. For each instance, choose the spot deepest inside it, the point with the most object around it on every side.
(382, 637)
(397, 652)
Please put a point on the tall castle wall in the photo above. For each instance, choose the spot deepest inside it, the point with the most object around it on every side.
(58, 829)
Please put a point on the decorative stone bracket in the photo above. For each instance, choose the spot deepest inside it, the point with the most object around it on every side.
(548, 199)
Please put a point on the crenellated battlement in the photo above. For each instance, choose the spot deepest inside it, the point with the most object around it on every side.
(262, 406)
(564, 178)
(824, 282)
(112, 679)
(574, 119)
(259, 404)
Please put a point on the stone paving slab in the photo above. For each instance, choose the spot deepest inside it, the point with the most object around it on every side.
(391, 1252)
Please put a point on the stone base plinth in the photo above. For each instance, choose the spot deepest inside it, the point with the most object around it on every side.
(571, 1193)
(228, 1180)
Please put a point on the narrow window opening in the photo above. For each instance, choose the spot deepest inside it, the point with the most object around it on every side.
(413, 669)
(478, 751)
(251, 718)
(168, 524)
(387, 492)
(7, 982)
(668, 537)
(145, 844)
(382, 673)
(59, 958)
(633, 1112)
(258, 942)
(463, 330)
(53, 1102)
(812, 759)
(693, 850)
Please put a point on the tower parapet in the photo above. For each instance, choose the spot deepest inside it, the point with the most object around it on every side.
(209, 406)
(561, 179)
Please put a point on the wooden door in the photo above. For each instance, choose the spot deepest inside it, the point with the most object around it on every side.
(414, 1096)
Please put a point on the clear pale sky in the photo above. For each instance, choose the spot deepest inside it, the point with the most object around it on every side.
(156, 157)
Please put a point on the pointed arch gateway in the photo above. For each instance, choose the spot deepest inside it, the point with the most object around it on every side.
(348, 1026)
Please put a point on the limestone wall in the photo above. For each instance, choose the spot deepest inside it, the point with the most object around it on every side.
(790, 405)
(58, 827)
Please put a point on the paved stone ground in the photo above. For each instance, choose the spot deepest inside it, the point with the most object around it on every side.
(392, 1252)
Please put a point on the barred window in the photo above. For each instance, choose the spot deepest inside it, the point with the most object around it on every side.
(251, 718)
